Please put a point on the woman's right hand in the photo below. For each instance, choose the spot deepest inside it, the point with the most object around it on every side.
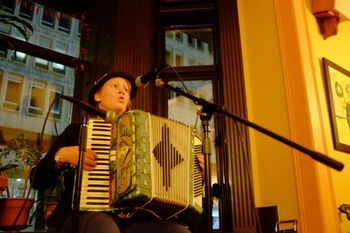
(70, 155)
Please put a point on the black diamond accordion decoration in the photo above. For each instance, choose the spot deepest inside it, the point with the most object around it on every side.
(167, 156)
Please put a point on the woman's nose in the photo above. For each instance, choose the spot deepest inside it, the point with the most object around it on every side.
(121, 90)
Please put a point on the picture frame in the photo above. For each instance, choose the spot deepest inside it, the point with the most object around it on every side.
(337, 88)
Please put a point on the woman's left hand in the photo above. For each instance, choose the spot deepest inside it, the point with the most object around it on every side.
(200, 159)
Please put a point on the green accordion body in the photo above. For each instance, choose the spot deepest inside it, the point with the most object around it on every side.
(153, 167)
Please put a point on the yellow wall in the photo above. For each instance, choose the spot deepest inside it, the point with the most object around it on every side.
(282, 48)
(337, 49)
(272, 161)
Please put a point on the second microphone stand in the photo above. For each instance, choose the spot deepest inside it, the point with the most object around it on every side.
(79, 174)
(208, 109)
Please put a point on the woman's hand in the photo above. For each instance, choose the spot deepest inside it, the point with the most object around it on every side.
(70, 155)
(200, 159)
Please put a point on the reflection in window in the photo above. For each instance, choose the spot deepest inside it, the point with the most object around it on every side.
(19, 57)
(183, 109)
(8, 6)
(37, 98)
(3, 53)
(191, 60)
(59, 68)
(178, 58)
(42, 63)
(54, 98)
(26, 10)
(13, 92)
(48, 17)
(64, 23)
(191, 41)
(56, 67)
(195, 44)
(39, 62)
(179, 36)
(169, 51)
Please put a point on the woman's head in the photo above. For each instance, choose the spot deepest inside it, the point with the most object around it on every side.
(113, 92)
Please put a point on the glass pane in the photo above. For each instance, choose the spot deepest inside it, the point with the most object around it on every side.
(42, 63)
(184, 110)
(64, 23)
(47, 36)
(48, 18)
(189, 47)
(19, 57)
(57, 102)
(30, 84)
(13, 92)
(37, 98)
(26, 10)
(8, 6)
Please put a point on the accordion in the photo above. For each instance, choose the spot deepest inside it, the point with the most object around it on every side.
(146, 165)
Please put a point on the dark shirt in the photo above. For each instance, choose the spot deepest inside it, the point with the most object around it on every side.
(46, 173)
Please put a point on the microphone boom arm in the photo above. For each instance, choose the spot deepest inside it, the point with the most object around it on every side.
(326, 160)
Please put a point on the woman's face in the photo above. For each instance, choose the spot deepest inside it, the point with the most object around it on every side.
(114, 95)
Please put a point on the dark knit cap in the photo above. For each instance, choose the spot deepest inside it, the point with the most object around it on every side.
(114, 74)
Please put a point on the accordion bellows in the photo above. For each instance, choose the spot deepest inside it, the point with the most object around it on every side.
(152, 169)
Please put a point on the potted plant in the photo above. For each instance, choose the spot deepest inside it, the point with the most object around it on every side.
(20, 155)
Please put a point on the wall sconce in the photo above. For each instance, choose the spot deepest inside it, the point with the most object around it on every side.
(329, 13)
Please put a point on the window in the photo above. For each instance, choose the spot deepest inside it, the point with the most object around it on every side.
(190, 52)
(8, 6)
(204, 35)
(191, 60)
(39, 62)
(183, 109)
(191, 41)
(48, 17)
(3, 53)
(169, 53)
(19, 57)
(37, 98)
(54, 99)
(179, 36)
(13, 91)
(26, 10)
(25, 101)
(64, 23)
(59, 68)
(178, 58)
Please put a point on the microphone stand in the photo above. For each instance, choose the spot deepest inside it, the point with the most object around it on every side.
(208, 109)
(79, 174)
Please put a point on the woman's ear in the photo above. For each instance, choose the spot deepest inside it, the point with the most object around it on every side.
(97, 97)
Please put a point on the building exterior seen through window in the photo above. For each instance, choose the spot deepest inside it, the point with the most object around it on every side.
(189, 47)
(29, 85)
(192, 47)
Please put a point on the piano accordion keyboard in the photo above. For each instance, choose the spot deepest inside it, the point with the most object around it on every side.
(95, 193)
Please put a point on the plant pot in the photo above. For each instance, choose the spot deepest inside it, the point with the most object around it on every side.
(14, 213)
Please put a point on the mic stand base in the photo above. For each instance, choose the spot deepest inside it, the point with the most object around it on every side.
(79, 174)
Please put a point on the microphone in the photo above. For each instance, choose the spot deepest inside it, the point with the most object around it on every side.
(143, 80)
(108, 116)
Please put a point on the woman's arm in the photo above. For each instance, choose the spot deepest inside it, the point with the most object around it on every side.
(45, 173)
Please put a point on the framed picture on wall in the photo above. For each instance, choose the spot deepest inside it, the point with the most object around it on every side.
(337, 83)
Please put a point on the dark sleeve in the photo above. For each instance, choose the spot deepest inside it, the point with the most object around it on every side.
(45, 173)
